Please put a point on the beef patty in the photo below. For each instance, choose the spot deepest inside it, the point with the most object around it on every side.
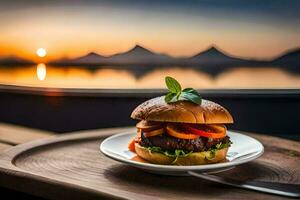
(167, 142)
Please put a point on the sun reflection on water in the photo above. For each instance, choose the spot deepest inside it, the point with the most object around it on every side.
(41, 71)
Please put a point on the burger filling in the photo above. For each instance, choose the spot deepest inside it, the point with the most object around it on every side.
(170, 143)
(180, 139)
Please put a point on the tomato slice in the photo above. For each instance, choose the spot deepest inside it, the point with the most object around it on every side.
(174, 131)
(149, 125)
(154, 133)
(210, 131)
(131, 146)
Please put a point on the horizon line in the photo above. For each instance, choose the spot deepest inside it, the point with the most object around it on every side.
(211, 46)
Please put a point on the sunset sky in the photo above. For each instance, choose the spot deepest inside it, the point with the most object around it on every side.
(256, 28)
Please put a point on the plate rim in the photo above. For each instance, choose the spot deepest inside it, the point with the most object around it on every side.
(158, 167)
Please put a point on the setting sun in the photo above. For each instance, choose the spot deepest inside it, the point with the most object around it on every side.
(41, 52)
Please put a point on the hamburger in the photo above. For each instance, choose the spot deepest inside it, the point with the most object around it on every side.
(183, 129)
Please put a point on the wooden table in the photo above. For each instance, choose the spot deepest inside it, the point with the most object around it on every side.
(77, 170)
(12, 135)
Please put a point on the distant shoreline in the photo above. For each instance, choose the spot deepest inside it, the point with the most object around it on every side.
(141, 56)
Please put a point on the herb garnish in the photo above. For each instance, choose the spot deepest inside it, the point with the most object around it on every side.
(176, 153)
(177, 94)
(219, 146)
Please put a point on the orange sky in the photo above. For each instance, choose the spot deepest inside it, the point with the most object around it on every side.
(74, 31)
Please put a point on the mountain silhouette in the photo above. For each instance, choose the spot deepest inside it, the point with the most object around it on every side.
(213, 55)
(290, 57)
(90, 58)
(14, 60)
(211, 59)
(139, 54)
(136, 55)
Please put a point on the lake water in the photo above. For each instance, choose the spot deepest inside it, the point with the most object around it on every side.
(239, 77)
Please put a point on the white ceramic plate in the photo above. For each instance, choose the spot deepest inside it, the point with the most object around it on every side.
(242, 150)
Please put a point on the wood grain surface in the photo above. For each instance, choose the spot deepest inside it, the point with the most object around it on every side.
(11, 135)
(71, 167)
(14, 134)
(4, 146)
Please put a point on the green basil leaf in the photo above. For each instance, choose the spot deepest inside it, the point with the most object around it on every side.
(177, 94)
(173, 85)
(195, 98)
(190, 90)
(170, 97)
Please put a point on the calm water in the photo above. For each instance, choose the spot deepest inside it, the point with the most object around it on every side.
(112, 77)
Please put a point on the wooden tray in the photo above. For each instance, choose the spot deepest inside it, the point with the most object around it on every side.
(71, 167)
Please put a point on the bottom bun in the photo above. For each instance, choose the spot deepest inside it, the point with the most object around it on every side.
(196, 158)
